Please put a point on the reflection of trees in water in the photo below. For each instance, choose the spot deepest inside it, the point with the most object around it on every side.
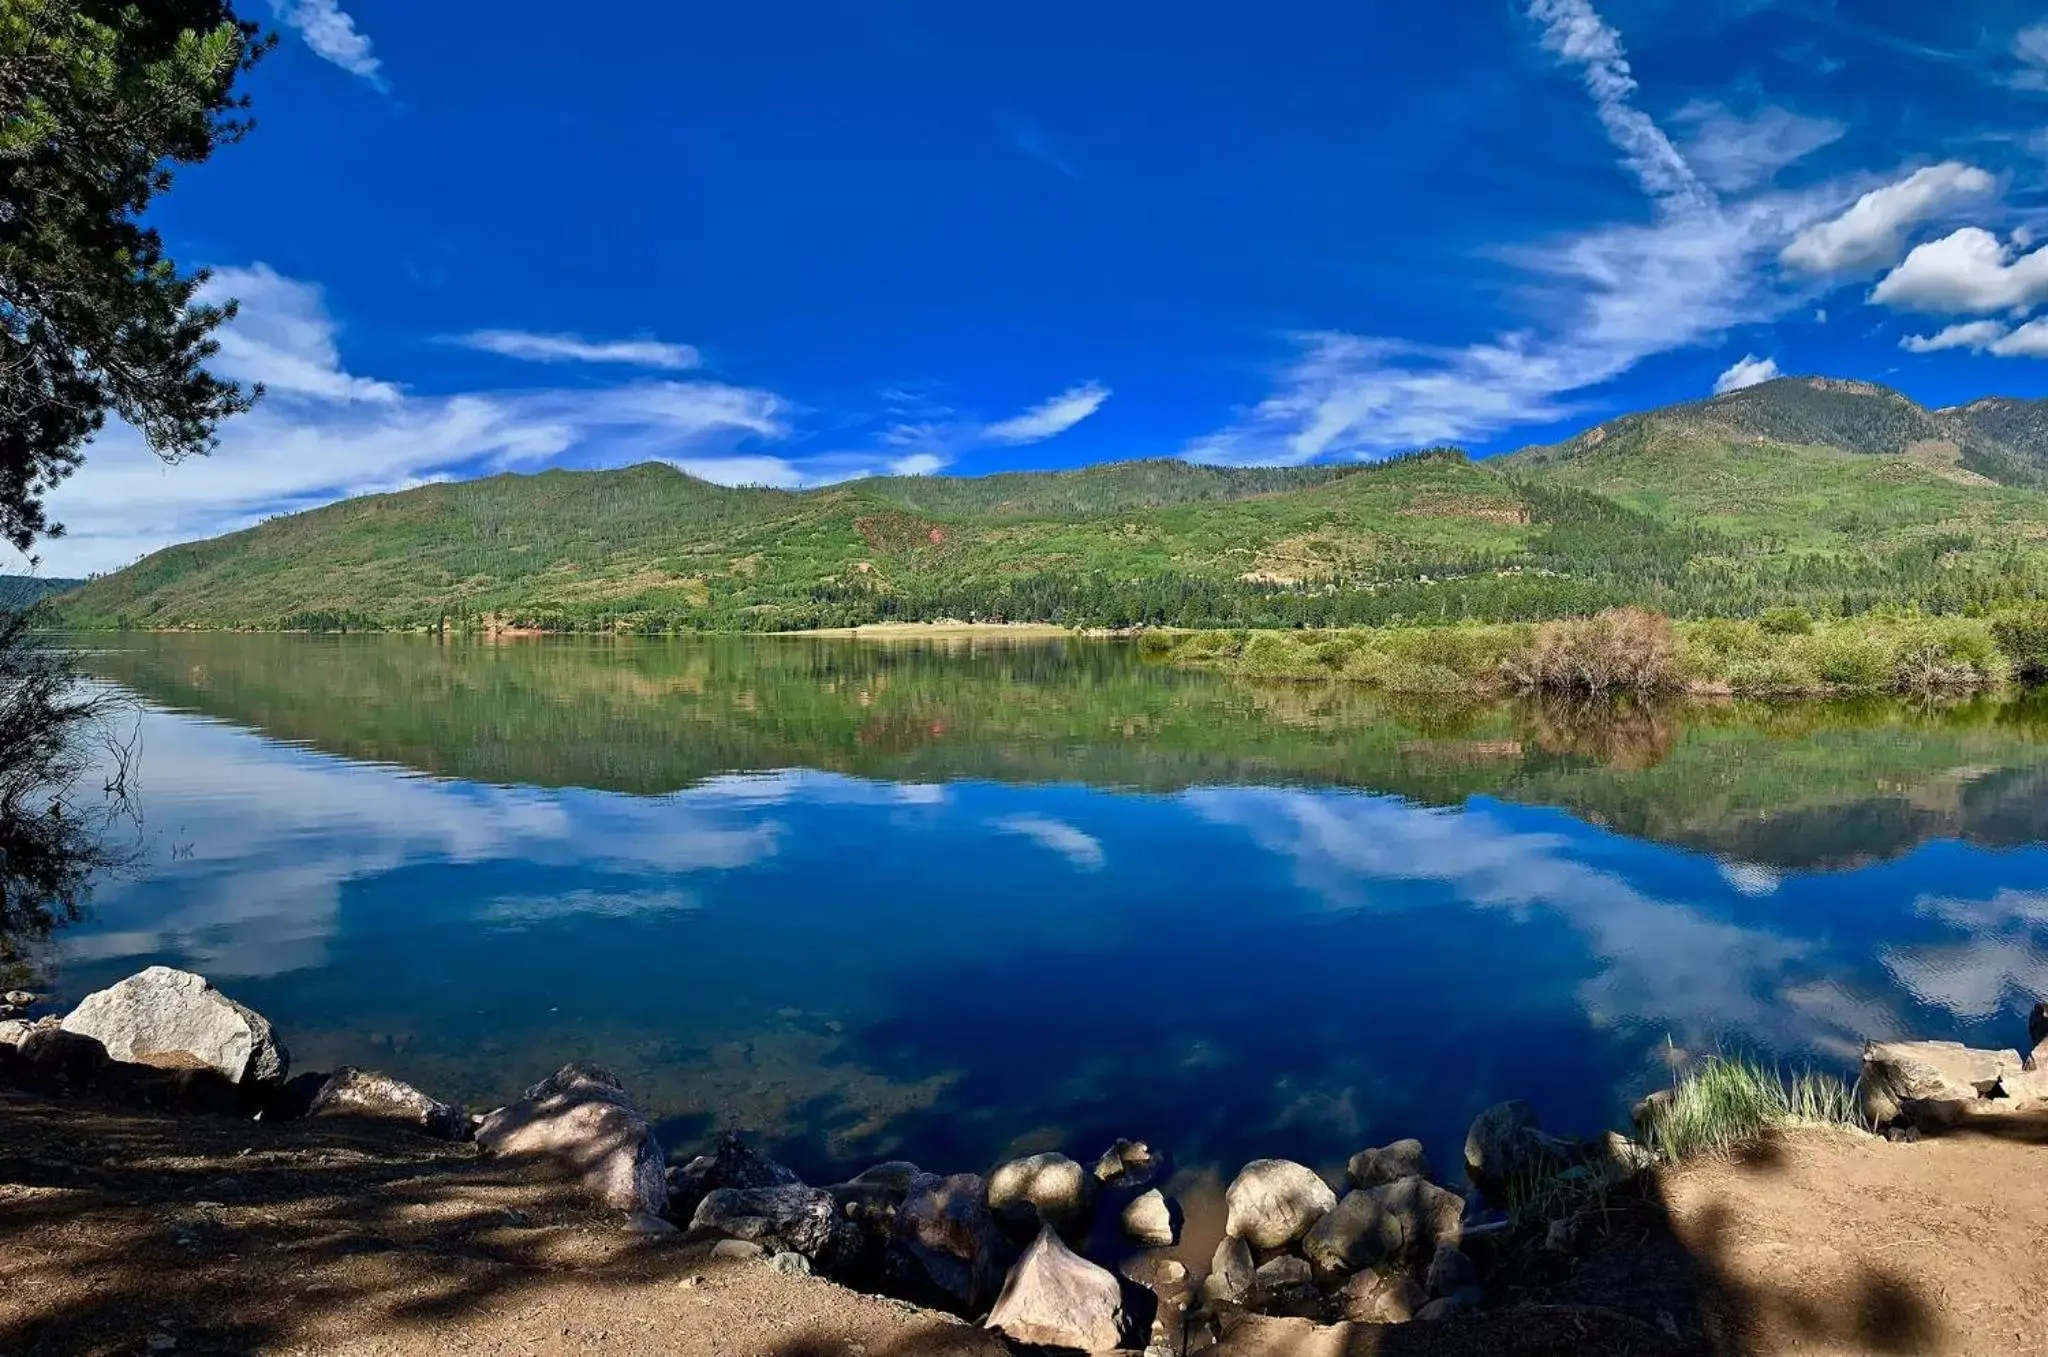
(1626, 734)
(58, 739)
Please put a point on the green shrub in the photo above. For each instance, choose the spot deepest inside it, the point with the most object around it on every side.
(1619, 650)
(1851, 659)
(2023, 637)
(1728, 1101)
(1786, 622)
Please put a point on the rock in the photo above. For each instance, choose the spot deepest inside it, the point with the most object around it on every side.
(943, 1240)
(1148, 1220)
(896, 1175)
(1930, 1083)
(1627, 1157)
(1283, 1274)
(352, 1092)
(583, 1120)
(161, 1011)
(67, 1055)
(2037, 1037)
(1158, 1273)
(1445, 1306)
(1381, 1298)
(1273, 1202)
(1130, 1163)
(791, 1264)
(733, 1163)
(1388, 1164)
(1449, 1270)
(21, 998)
(1650, 1110)
(1055, 1298)
(787, 1219)
(10, 1012)
(737, 1251)
(1505, 1142)
(1405, 1219)
(14, 1031)
(1042, 1189)
(1231, 1276)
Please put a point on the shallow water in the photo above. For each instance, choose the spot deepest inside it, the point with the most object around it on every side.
(947, 903)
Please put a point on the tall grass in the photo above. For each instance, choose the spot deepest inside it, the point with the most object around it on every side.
(1730, 1100)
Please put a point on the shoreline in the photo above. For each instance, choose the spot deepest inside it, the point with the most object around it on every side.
(1088, 1254)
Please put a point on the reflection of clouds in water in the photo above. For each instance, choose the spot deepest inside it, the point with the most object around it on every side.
(2001, 964)
(1750, 878)
(1666, 964)
(518, 911)
(267, 835)
(1083, 851)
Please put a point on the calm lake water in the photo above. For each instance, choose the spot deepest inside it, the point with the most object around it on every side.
(945, 903)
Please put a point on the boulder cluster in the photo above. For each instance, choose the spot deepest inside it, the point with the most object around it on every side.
(1913, 1086)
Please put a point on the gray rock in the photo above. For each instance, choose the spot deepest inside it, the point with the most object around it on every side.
(737, 1251)
(14, 1031)
(1164, 1276)
(1930, 1083)
(1055, 1298)
(1130, 1164)
(1273, 1202)
(1148, 1220)
(161, 1012)
(943, 1240)
(1505, 1141)
(68, 1055)
(1443, 1307)
(896, 1175)
(1626, 1157)
(582, 1120)
(352, 1092)
(1283, 1273)
(1381, 1298)
(1041, 1189)
(787, 1219)
(21, 998)
(1650, 1110)
(733, 1163)
(1449, 1270)
(1388, 1164)
(1406, 1219)
(791, 1264)
(1232, 1276)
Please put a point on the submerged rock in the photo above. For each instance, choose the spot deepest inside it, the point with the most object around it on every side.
(1388, 1164)
(1041, 1189)
(163, 1012)
(1130, 1164)
(1055, 1298)
(21, 998)
(1273, 1202)
(352, 1092)
(582, 1119)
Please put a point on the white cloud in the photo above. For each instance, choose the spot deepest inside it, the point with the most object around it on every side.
(332, 34)
(1976, 335)
(283, 338)
(547, 348)
(1734, 153)
(325, 434)
(1050, 418)
(2028, 341)
(2030, 50)
(1083, 851)
(917, 464)
(1967, 271)
(1873, 231)
(1749, 370)
(1574, 32)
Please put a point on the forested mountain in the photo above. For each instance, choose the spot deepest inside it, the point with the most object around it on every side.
(1838, 496)
(25, 591)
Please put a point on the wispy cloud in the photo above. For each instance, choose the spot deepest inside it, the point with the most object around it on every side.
(559, 348)
(1872, 233)
(1734, 152)
(1749, 370)
(1606, 298)
(1031, 140)
(333, 35)
(1975, 335)
(1051, 418)
(2030, 52)
(1082, 851)
(284, 338)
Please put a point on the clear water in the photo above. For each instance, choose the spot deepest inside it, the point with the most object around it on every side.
(947, 903)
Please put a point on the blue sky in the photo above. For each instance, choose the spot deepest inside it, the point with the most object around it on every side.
(799, 240)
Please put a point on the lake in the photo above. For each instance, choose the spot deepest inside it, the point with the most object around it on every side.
(950, 901)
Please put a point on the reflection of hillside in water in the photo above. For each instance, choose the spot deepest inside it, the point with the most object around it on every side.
(1789, 786)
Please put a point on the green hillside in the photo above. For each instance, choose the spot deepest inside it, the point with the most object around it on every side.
(1837, 496)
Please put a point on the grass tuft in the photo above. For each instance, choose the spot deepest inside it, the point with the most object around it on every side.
(1729, 1101)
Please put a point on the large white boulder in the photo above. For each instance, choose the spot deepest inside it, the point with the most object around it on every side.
(1055, 1298)
(163, 1012)
(1273, 1202)
(582, 1119)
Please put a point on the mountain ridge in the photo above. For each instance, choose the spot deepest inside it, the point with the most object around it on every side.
(1833, 494)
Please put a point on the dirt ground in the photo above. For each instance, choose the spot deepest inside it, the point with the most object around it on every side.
(129, 1232)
